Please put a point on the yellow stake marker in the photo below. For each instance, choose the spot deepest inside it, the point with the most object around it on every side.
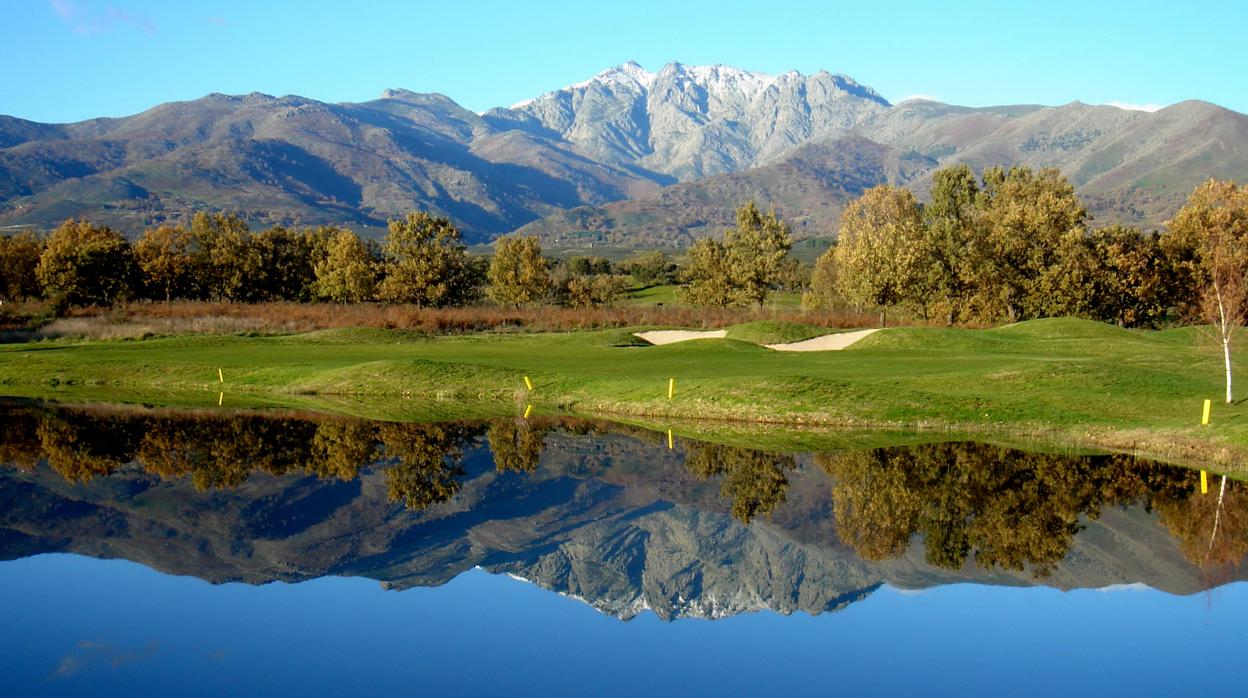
(669, 440)
(1204, 418)
(220, 399)
(220, 375)
(1204, 482)
(528, 383)
(671, 388)
(527, 410)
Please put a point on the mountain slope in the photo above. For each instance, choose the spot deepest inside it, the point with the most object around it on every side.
(694, 121)
(808, 187)
(294, 159)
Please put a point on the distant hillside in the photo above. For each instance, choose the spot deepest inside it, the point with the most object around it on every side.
(808, 188)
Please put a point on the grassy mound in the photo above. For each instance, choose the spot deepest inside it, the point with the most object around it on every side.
(774, 332)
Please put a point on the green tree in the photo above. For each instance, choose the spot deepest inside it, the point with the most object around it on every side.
(348, 273)
(287, 265)
(518, 272)
(648, 268)
(426, 263)
(19, 258)
(1213, 225)
(86, 264)
(166, 256)
(879, 252)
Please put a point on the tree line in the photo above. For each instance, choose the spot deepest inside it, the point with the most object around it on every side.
(1010, 245)
(422, 261)
(1015, 244)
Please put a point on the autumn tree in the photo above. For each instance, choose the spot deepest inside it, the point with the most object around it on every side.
(743, 268)
(879, 250)
(706, 277)
(19, 259)
(1026, 218)
(756, 251)
(226, 260)
(1213, 225)
(518, 272)
(426, 263)
(86, 264)
(348, 273)
(167, 257)
(952, 230)
(823, 292)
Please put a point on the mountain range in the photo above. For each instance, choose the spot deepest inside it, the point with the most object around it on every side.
(627, 157)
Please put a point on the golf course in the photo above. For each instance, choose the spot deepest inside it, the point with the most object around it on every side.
(1062, 380)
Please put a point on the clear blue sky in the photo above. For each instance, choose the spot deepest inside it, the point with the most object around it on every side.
(72, 59)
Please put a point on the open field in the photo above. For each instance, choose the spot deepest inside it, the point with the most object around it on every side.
(1076, 381)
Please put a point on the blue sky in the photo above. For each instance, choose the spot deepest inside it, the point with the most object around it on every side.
(73, 59)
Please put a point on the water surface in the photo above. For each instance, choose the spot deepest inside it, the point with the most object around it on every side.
(283, 553)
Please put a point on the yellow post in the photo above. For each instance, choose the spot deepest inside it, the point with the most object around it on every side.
(1204, 418)
(669, 440)
(671, 388)
(528, 383)
(220, 375)
(1204, 482)
(527, 410)
(220, 399)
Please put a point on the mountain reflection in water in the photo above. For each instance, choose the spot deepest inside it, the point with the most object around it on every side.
(603, 512)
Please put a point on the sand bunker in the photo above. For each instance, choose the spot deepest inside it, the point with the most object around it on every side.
(827, 342)
(669, 336)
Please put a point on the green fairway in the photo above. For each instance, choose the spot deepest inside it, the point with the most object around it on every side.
(1077, 381)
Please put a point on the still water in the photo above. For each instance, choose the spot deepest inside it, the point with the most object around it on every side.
(246, 553)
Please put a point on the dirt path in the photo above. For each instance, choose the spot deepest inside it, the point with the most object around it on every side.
(658, 337)
(827, 342)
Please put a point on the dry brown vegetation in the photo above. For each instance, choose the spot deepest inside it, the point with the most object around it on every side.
(198, 317)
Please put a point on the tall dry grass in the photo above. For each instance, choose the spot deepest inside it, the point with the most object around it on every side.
(143, 319)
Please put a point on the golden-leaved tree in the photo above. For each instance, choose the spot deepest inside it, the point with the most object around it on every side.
(1213, 228)
(518, 272)
(879, 250)
(348, 273)
(426, 263)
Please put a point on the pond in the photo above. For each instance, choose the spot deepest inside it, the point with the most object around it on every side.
(235, 552)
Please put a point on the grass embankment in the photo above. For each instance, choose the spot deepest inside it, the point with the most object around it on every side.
(1064, 380)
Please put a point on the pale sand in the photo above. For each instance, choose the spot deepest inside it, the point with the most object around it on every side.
(670, 336)
(827, 342)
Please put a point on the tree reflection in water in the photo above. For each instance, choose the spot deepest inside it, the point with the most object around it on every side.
(996, 506)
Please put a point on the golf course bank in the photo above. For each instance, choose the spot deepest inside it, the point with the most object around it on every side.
(1079, 382)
